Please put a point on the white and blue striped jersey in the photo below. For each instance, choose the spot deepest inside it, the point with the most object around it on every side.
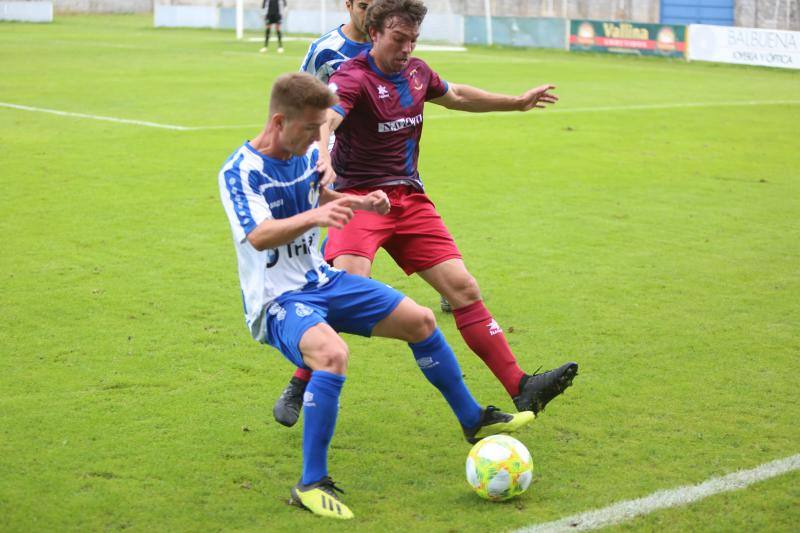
(253, 188)
(328, 52)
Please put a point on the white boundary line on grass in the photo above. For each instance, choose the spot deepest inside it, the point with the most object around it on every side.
(663, 499)
(642, 107)
(97, 117)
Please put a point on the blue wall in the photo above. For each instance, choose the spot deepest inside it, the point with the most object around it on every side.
(717, 12)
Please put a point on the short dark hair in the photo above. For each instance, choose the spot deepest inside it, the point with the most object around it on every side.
(294, 92)
(408, 11)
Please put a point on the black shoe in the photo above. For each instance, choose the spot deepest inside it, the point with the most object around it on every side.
(494, 421)
(287, 408)
(536, 390)
(445, 305)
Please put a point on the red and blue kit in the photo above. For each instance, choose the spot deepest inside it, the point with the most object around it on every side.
(377, 147)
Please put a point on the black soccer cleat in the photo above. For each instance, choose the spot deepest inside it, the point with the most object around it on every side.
(287, 408)
(445, 305)
(536, 390)
(494, 421)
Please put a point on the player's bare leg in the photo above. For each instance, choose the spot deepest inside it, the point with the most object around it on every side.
(530, 392)
(326, 353)
(408, 322)
(452, 280)
(287, 408)
(354, 264)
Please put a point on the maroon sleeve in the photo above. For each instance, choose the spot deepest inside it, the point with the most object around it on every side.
(346, 83)
(437, 87)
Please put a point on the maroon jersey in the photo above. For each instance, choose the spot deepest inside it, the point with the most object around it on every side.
(378, 141)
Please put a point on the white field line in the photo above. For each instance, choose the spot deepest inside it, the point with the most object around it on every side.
(96, 117)
(125, 120)
(643, 107)
(663, 499)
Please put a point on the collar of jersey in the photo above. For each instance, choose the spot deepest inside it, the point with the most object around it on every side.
(350, 41)
(267, 158)
(379, 72)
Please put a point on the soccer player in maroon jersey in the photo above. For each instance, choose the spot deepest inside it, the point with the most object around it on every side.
(378, 124)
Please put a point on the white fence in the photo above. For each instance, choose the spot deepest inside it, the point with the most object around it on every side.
(26, 11)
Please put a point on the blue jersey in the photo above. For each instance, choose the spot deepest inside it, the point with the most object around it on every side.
(253, 188)
(327, 53)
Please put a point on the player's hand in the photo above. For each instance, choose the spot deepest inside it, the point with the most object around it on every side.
(335, 213)
(325, 169)
(537, 98)
(377, 201)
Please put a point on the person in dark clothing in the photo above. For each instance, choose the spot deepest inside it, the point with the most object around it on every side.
(273, 18)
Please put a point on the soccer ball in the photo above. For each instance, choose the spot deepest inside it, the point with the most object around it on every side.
(499, 467)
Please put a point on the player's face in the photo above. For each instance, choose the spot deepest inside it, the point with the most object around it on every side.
(392, 47)
(358, 11)
(299, 132)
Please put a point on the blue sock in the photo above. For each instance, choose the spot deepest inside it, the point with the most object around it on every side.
(438, 362)
(320, 407)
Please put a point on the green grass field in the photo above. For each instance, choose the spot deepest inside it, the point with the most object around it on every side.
(655, 242)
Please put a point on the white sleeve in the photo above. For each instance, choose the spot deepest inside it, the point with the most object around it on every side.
(245, 205)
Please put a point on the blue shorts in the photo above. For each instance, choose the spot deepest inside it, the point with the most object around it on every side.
(348, 303)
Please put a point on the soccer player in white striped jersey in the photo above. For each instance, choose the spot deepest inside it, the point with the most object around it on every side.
(296, 303)
(324, 57)
(327, 53)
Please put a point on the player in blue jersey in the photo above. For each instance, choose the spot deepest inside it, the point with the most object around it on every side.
(327, 53)
(293, 301)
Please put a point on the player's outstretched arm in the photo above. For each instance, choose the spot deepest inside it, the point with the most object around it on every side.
(468, 98)
(272, 233)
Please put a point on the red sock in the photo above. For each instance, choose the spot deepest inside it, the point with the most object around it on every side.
(486, 339)
(302, 374)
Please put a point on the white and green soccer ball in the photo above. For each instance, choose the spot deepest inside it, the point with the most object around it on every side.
(499, 467)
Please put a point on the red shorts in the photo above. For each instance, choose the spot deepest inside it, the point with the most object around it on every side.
(412, 232)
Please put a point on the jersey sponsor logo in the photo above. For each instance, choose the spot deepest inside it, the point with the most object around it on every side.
(302, 310)
(400, 124)
(276, 203)
(272, 258)
(296, 248)
(494, 327)
(382, 92)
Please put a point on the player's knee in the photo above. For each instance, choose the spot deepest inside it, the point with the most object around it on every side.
(423, 326)
(467, 288)
(352, 264)
(334, 359)
(330, 356)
